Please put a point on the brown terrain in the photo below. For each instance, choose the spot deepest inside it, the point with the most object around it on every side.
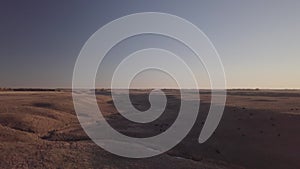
(260, 129)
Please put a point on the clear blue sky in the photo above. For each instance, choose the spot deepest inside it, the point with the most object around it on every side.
(258, 41)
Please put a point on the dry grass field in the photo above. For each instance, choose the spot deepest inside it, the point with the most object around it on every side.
(260, 129)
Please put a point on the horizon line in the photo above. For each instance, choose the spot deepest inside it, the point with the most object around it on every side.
(103, 88)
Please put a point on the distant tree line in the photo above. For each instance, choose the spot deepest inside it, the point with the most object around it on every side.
(29, 89)
(5, 89)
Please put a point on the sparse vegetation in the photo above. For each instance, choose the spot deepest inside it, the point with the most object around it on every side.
(41, 130)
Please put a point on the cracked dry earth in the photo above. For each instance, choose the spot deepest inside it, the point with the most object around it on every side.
(41, 130)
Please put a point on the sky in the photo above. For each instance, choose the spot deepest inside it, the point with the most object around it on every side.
(258, 41)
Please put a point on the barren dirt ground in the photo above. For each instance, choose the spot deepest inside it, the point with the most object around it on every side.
(259, 130)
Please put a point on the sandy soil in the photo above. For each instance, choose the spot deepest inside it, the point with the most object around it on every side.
(259, 130)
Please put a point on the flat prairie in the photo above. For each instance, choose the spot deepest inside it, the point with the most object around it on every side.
(260, 129)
